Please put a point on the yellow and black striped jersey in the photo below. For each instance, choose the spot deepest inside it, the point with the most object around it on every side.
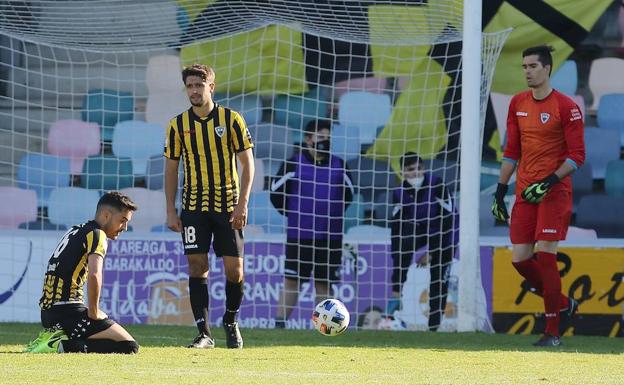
(67, 267)
(208, 147)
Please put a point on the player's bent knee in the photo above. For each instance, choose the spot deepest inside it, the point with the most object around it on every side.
(128, 347)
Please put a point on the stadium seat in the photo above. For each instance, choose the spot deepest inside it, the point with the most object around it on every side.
(602, 213)
(163, 74)
(107, 173)
(368, 84)
(371, 177)
(151, 210)
(297, 110)
(273, 143)
(582, 182)
(602, 81)
(107, 107)
(43, 173)
(602, 146)
(262, 213)
(74, 139)
(161, 107)
(580, 234)
(614, 178)
(448, 170)
(610, 113)
(72, 205)
(346, 141)
(490, 172)
(368, 234)
(500, 103)
(364, 110)
(565, 79)
(249, 105)
(138, 141)
(17, 206)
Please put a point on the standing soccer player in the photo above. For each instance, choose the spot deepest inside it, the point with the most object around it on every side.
(545, 143)
(72, 326)
(214, 201)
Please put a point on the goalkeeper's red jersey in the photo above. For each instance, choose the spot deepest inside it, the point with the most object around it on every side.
(541, 135)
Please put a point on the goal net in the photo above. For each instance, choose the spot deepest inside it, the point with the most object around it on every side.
(87, 90)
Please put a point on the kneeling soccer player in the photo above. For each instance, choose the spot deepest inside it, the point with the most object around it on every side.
(70, 325)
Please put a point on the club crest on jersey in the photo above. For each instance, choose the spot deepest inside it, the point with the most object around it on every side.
(219, 130)
(544, 116)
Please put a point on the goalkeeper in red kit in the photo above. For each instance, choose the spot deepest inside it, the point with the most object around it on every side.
(545, 145)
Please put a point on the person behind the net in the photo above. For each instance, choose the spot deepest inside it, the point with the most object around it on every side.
(211, 138)
(312, 189)
(70, 324)
(545, 145)
(423, 215)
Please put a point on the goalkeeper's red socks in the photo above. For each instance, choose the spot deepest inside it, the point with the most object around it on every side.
(551, 283)
(530, 270)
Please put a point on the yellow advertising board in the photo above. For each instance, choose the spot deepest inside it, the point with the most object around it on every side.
(593, 276)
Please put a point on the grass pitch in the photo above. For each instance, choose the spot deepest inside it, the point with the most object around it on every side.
(305, 357)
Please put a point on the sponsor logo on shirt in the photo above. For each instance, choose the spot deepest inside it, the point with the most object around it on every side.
(549, 231)
(521, 113)
(544, 116)
(575, 114)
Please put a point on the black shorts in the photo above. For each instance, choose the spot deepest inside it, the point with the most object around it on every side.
(323, 256)
(198, 228)
(74, 321)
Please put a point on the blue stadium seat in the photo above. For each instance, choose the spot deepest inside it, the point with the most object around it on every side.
(610, 113)
(603, 213)
(273, 144)
(346, 141)
(262, 213)
(614, 178)
(107, 173)
(297, 110)
(364, 110)
(106, 108)
(565, 79)
(582, 182)
(250, 106)
(371, 177)
(43, 173)
(602, 146)
(138, 141)
(72, 205)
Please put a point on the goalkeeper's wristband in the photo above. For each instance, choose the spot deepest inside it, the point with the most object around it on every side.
(550, 180)
(501, 191)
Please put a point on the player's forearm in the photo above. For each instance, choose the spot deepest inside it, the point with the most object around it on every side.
(94, 286)
(247, 175)
(171, 186)
(506, 171)
(564, 170)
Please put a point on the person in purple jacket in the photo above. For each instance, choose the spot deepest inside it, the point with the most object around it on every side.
(423, 215)
(312, 189)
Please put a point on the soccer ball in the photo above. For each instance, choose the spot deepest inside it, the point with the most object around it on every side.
(331, 317)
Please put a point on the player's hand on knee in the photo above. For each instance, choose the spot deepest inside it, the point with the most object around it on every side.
(100, 315)
(499, 208)
(174, 223)
(536, 192)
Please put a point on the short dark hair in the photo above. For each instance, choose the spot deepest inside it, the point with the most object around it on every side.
(316, 125)
(118, 201)
(410, 158)
(543, 53)
(201, 70)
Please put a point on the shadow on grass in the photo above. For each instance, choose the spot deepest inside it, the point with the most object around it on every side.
(180, 336)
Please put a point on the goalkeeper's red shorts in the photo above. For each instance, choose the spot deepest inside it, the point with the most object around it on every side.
(545, 221)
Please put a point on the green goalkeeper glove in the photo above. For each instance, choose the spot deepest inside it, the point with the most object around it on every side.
(535, 192)
(499, 209)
